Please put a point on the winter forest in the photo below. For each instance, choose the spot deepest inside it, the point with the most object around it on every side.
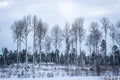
(62, 47)
(79, 50)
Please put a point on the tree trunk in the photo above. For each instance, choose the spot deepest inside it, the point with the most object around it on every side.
(113, 40)
(90, 49)
(80, 48)
(96, 48)
(34, 47)
(17, 51)
(20, 50)
(76, 52)
(26, 52)
(40, 51)
(80, 45)
(106, 46)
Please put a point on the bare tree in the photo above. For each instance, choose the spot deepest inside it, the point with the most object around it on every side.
(56, 37)
(96, 35)
(34, 26)
(41, 31)
(48, 41)
(112, 34)
(27, 29)
(17, 29)
(74, 33)
(67, 41)
(81, 32)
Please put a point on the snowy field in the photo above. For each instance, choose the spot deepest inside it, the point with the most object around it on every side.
(55, 78)
(51, 72)
(68, 78)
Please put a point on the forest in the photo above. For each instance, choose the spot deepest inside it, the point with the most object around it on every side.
(65, 46)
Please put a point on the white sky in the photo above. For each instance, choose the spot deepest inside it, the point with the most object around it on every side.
(54, 12)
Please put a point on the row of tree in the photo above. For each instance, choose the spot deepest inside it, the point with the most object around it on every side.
(67, 40)
(10, 57)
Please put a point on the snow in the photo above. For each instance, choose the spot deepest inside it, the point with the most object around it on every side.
(56, 78)
(49, 72)
(69, 78)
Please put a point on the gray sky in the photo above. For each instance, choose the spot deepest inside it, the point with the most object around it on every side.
(54, 12)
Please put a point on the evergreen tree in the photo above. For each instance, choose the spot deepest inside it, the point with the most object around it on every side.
(115, 51)
(103, 47)
(5, 55)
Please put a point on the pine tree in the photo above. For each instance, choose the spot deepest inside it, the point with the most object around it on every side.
(103, 47)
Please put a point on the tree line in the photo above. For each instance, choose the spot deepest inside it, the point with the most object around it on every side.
(64, 46)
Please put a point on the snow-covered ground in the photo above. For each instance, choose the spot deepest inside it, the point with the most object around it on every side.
(50, 72)
(56, 78)
(69, 78)
(41, 71)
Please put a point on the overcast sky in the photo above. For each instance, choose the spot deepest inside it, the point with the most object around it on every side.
(54, 12)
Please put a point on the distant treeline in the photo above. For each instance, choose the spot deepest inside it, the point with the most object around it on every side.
(10, 57)
(64, 46)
